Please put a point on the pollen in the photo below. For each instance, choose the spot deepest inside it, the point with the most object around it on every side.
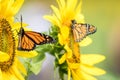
(7, 44)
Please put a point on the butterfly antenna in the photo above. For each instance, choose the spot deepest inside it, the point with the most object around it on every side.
(21, 20)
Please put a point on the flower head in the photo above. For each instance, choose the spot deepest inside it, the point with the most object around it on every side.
(83, 69)
(10, 66)
(63, 15)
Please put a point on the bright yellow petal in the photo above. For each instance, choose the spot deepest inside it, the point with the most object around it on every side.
(78, 8)
(57, 12)
(61, 4)
(5, 75)
(64, 30)
(85, 42)
(3, 6)
(87, 76)
(1, 75)
(74, 65)
(60, 39)
(27, 54)
(21, 67)
(17, 5)
(62, 59)
(15, 71)
(17, 25)
(69, 51)
(69, 74)
(92, 70)
(91, 59)
(75, 76)
(53, 19)
(73, 3)
(4, 56)
(8, 6)
(79, 18)
(9, 76)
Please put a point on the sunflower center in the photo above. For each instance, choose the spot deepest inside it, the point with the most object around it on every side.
(7, 44)
(74, 59)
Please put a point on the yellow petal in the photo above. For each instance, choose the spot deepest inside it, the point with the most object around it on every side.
(27, 54)
(69, 74)
(62, 59)
(17, 5)
(87, 76)
(1, 75)
(64, 30)
(15, 71)
(69, 3)
(4, 56)
(74, 65)
(80, 18)
(53, 19)
(60, 39)
(63, 4)
(69, 51)
(85, 42)
(10, 76)
(6, 76)
(76, 76)
(21, 67)
(3, 5)
(57, 12)
(17, 25)
(78, 8)
(91, 59)
(8, 6)
(92, 70)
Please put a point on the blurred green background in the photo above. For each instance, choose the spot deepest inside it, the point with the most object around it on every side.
(104, 14)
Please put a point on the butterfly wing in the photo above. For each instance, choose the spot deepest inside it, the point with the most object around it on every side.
(39, 38)
(29, 39)
(91, 29)
(25, 43)
(79, 31)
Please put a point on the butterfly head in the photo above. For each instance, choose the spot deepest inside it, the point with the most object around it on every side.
(73, 23)
(21, 31)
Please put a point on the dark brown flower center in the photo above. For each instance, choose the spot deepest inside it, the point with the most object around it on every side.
(7, 44)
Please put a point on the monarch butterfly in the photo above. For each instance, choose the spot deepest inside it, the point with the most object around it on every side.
(80, 31)
(27, 40)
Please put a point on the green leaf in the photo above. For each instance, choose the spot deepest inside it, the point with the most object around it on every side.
(36, 63)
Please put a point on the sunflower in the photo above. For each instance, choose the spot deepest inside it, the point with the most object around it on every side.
(77, 67)
(83, 68)
(10, 66)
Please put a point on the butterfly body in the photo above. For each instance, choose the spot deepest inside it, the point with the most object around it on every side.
(80, 30)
